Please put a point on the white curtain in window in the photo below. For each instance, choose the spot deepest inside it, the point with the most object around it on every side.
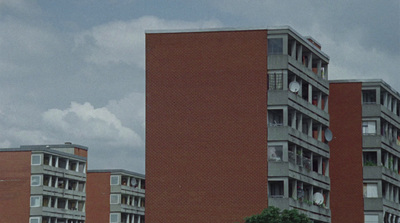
(371, 190)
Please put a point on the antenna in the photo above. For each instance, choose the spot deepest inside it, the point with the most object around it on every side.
(294, 86)
(318, 198)
(328, 135)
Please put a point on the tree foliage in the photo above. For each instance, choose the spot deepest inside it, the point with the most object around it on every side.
(275, 215)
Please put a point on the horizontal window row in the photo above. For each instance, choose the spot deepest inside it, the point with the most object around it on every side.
(384, 190)
(301, 53)
(57, 202)
(129, 181)
(298, 121)
(126, 218)
(134, 201)
(57, 182)
(378, 157)
(298, 190)
(300, 87)
(370, 96)
(59, 162)
(299, 156)
(45, 219)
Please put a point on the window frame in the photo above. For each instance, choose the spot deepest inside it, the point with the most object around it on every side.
(40, 180)
(38, 219)
(39, 201)
(118, 196)
(118, 179)
(116, 215)
(40, 160)
(367, 125)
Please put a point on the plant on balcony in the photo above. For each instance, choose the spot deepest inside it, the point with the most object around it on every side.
(275, 215)
(369, 163)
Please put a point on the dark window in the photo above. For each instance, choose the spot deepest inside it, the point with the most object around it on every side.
(275, 46)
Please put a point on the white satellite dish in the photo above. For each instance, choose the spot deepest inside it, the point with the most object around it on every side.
(133, 182)
(294, 86)
(318, 198)
(328, 135)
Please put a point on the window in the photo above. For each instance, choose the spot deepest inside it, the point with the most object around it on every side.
(114, 199)
(36, 180)
(370, 158)
(34, 220)
(275, 81)
(36, 159)
(370, 190)
(275, 153)
(275, 117)
(114, 217)
(114, 180)
(35, 201)
(369, 96)
(369, 127)
(275, 46)
(276, 188)
(369, 218)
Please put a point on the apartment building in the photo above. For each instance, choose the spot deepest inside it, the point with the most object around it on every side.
(365, 158)
(115, 196)
(43, 183)
(236, 120)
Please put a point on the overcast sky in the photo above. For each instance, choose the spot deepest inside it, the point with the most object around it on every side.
(74, 71)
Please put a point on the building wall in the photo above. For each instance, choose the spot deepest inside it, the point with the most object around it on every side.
(206, 128)
(98, 197)
(346, 171)
(15, 172)
(80, 152)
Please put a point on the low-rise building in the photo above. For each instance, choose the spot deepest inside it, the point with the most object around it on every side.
(43, 183)
(115, 196)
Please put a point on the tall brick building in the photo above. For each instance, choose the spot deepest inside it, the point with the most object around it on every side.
(43, 184)
(365, 156)
(235, 121)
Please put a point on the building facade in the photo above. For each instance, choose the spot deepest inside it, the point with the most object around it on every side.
(380, 153)
(43, 184)
(235, 121)
(115, 196)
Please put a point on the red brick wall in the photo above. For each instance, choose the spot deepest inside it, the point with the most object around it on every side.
(206, 130)
(15, 172)
(345, 169)
(80, 152)
(98, 197)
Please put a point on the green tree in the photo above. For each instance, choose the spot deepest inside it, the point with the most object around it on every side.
(275, 215)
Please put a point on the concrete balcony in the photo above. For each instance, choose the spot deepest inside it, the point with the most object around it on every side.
(57, 212)
(125, 208)
(381, 173)
(316, 213)
(285, 133)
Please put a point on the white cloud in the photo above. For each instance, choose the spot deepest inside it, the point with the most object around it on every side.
(83, 122)
(124, 41)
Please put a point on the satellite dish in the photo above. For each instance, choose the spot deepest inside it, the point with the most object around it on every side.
(318, 198)
(328, 135)
(133, 182)
(294, 86)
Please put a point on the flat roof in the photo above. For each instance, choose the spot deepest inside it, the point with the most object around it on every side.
(48, 148)
(230, 29)
(117, 171)
(371, 81)
(56, 146)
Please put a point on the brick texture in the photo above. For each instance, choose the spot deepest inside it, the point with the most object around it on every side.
(206, 130)
(345, 169)
(98, 198)
(15, 172)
